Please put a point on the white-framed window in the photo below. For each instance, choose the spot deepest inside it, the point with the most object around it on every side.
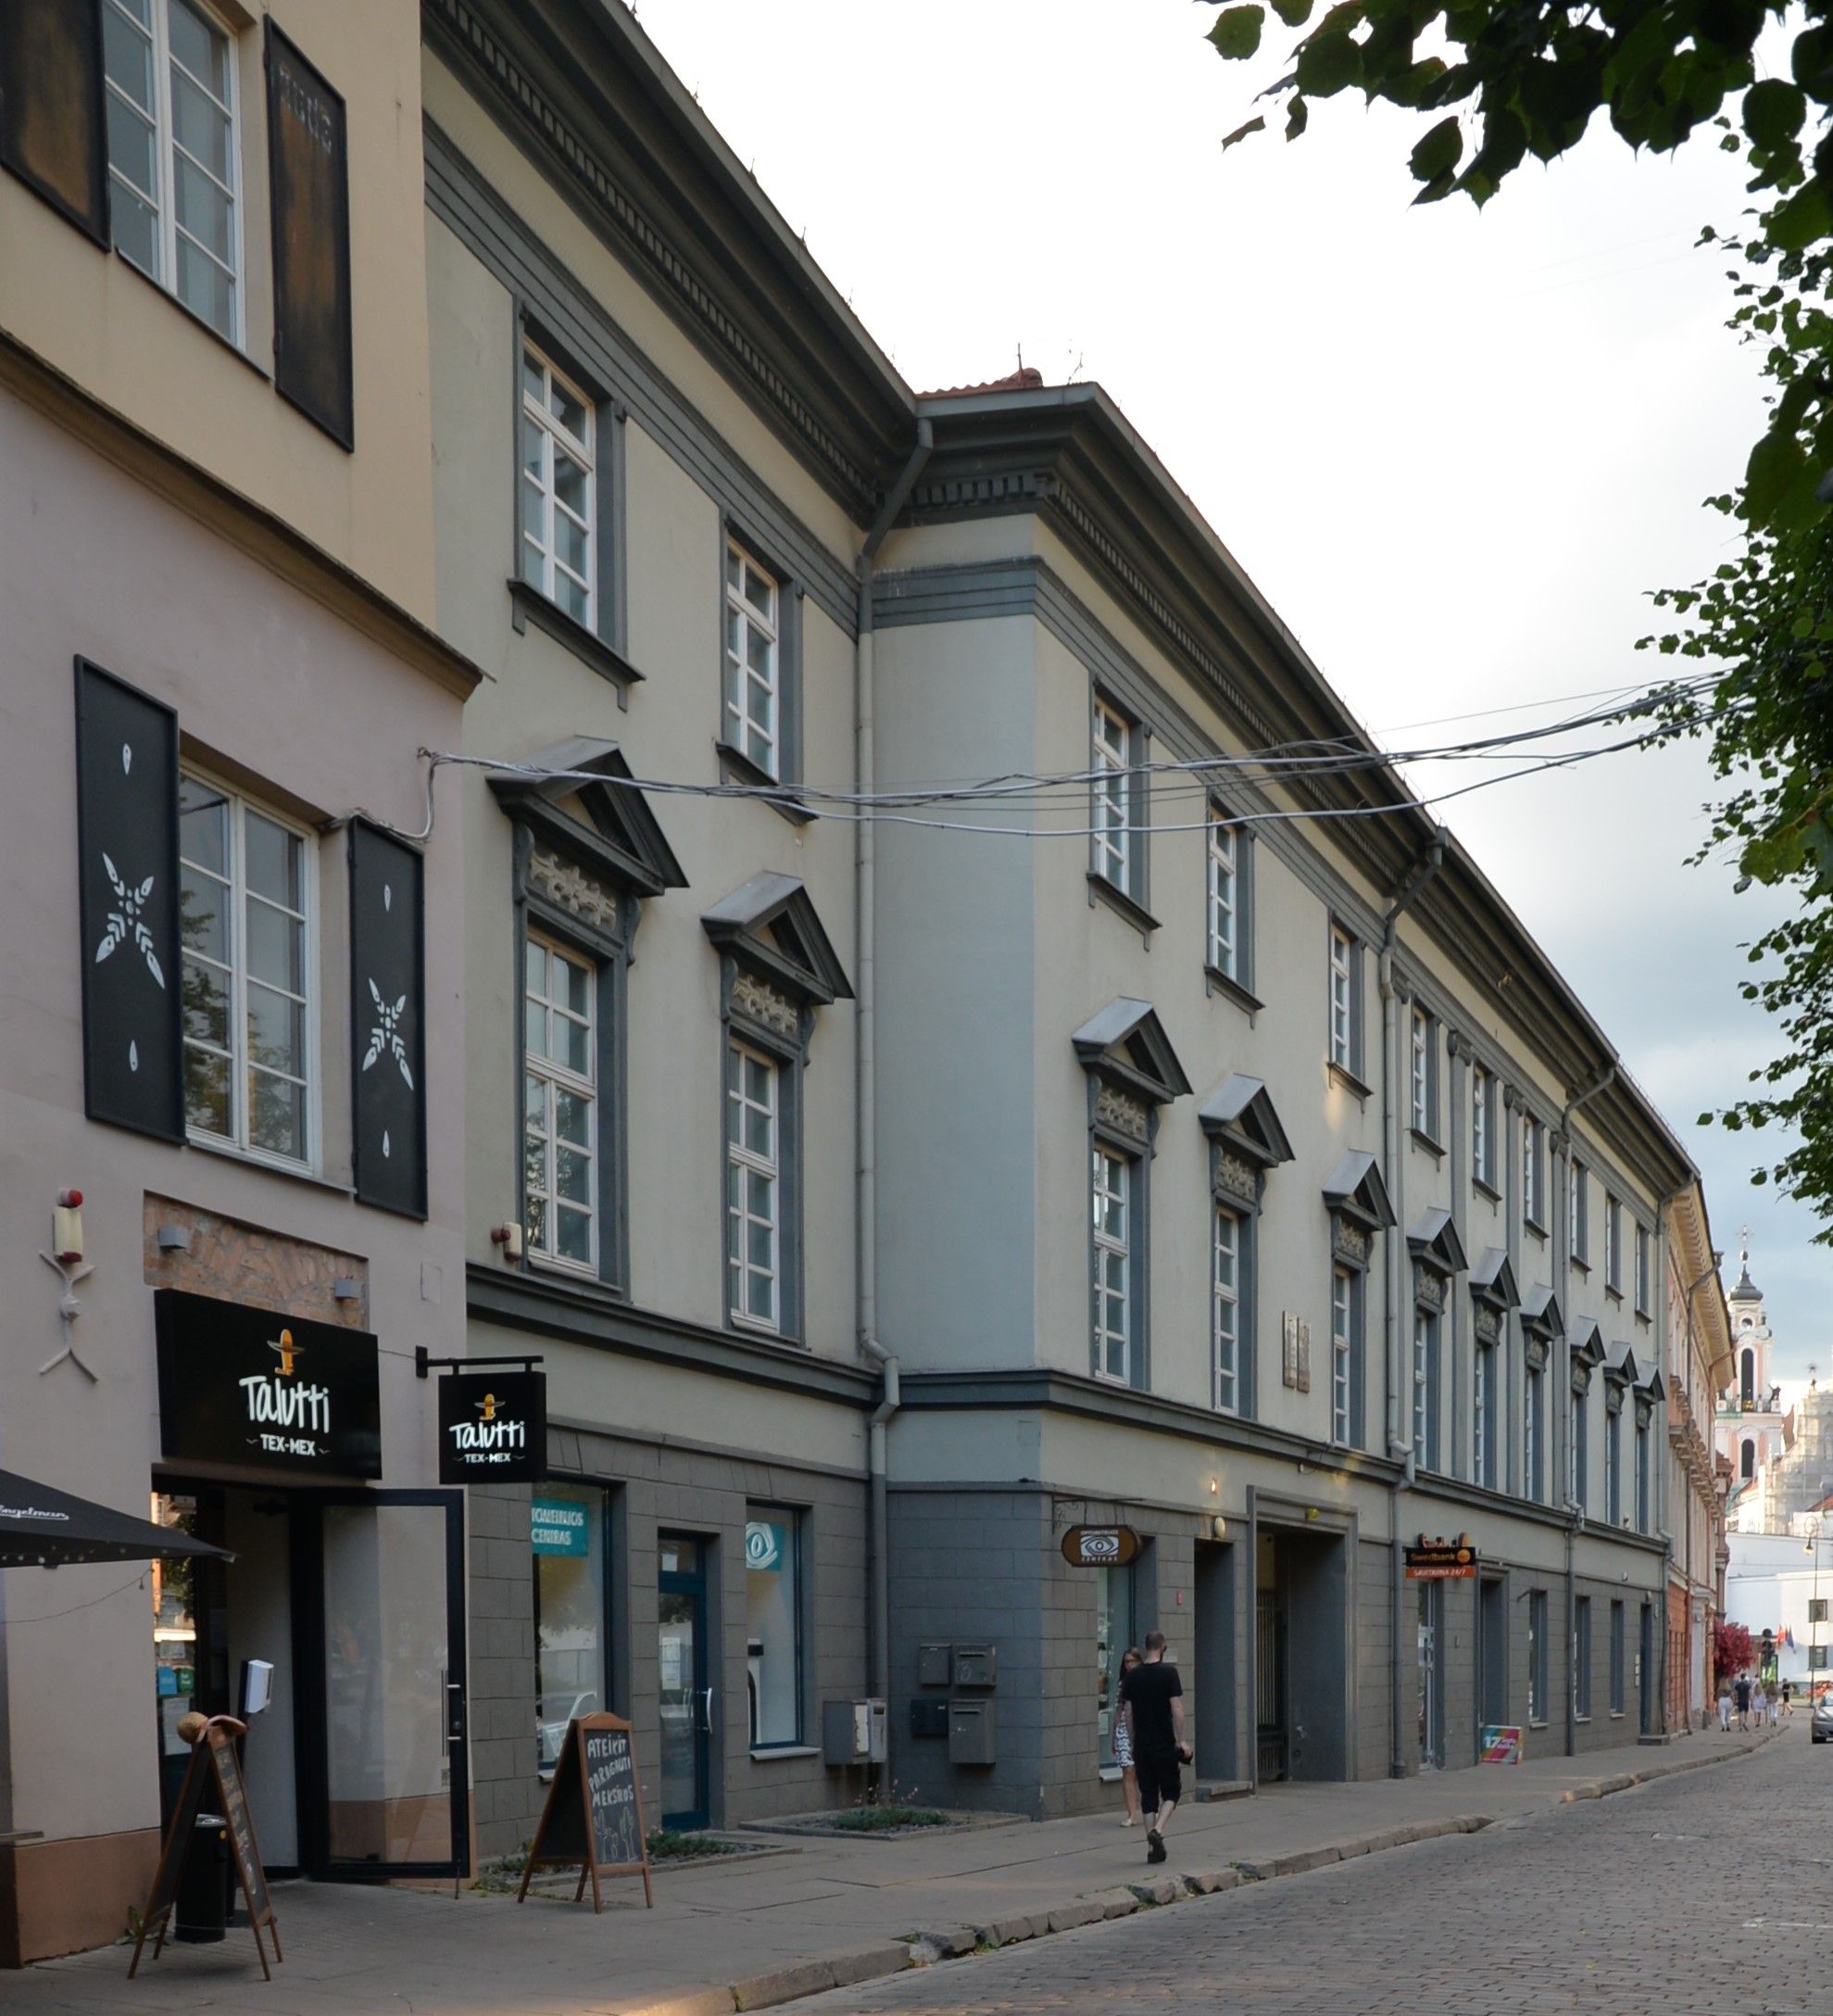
(1534, 1434)
(1483, 1415)
(561, 1176)
(174, 152)
(1533, 1171)
(1343, 957)
(1425, 1387)
(557, 505)
(1225, 896)
(1111, 1194)
(1579, 1215)
(1644, 1271)
(248, 923)
(1344, 1287)
(753, 1187)
(1424, 1074)
(1482, 1124)
(1614, 1244)
(1225, 1290)
(753, 661)
(1644, 1475)
(1613, 1469)
(1112, 855)
(1580, 1453)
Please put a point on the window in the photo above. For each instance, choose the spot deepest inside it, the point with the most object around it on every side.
(1425, 1075)
(773, 1624)
(1612, 1245)
(753, 1190)
(1346, 1326)
(1747, 1462)
(1534, 1434)
(1644, 1480)
(567, 1527)
(174, 152)
(1581, 1447)
(1226, 1287)
(560, 1104)
(753, 662)
(1614, 1468)
(1226, 907)
(1425, 1388)
(1533, 1172)
(1537, 1654)
(557, 429)
(1581, 1658)
(1578, 1217)
(246, 919)
(1114, 858)
(1644, 1252)
(1483, 1415)
(1819, 1656)
(1114, 1631)
(1112, 1281)
(1483, 1125)
(1345, 1000)
(1619, 1664)
(1817, 1610)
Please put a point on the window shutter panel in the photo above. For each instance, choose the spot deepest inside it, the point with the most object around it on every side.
(51, 116)
(309, 174)
(127, 848)
(387, 1021)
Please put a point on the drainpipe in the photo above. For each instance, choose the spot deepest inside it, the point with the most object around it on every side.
(1399, 1443)
(1574, 1520)
(865, 1084)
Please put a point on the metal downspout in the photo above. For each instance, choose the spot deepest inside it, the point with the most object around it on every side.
(865, 1085)
(1399, 1446)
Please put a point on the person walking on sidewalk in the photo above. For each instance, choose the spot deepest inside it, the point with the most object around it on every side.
(1759, 1704)
(1787, 1700)
(1741, 1693)
(1129, 1778)
(1152, 1701)
(1723, 1703)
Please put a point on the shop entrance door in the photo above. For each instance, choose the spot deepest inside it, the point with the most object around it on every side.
(381, 1671)
(1431, 1707)
(686, 1701)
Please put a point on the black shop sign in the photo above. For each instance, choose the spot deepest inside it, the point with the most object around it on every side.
(266, 1391)
(493, 1427)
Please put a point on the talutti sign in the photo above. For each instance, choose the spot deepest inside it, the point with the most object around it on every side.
(261, 1391)
(558, 1526)
(1100, 1546)
(1442, 1560)
(493, 1427)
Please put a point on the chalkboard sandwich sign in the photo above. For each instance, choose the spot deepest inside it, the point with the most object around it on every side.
(214, 1766)
(594, 1814)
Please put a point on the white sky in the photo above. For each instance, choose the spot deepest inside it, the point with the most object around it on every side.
(1454, 450)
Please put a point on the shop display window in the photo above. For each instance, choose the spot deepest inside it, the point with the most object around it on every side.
(567, 1531)
(774, 1625)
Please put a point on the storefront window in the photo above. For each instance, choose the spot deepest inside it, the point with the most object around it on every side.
(773, 1625)
(1113, 1634)
(566, 1532)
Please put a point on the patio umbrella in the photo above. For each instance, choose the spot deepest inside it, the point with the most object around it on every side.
(43, 1528)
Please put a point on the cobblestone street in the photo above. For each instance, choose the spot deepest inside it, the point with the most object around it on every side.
(1672, 1898)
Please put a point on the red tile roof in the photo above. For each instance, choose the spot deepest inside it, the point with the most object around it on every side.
(1026, 378)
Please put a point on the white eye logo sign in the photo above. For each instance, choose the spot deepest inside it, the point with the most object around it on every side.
(762, 1548)
(1097, 1548)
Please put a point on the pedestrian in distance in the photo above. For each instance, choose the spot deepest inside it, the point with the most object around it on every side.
(1759, 1705)
(1152, 1702)
(1740, 1694)
(1129, 1777)
(1775, 1699)
(1723, 1703)
(1787, 1700)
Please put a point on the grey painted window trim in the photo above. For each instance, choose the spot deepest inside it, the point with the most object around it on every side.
(1614, 1210)
(1426, 1457)
(736, 766)
(1133, 900)
(1581, 1658)
(1357, 1278)
(1612, 1455)
(1139, 1155)
(1240, 985)
(1536, 1657)
(1431, 1135)
(1578, 1214)
(1534, 1420)
(1619, 1662)
(790, 1053)
(1354, 1072)
(610, 953)
(1246, 1218)
(798, 1518)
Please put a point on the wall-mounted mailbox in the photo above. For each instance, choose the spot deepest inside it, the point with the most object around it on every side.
(929, 1717)
(853, 1733)
(976, 1666)
(972, 1732)
(932, 1666)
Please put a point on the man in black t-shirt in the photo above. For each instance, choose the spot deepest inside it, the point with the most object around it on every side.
(1151, 1698)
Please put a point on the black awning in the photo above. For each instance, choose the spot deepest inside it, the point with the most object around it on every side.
(41, 1528)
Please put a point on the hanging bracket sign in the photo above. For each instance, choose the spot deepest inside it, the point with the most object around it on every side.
(1100, 1546)
(493, 1427)
(1442, 1560)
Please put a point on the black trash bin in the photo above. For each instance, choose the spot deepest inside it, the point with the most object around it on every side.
(201, 1913)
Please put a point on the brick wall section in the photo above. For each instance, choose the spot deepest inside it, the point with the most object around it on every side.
(506, 1792)
(1373, 1638)
(246, 1264)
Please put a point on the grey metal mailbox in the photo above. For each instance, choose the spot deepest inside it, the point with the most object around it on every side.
(932, 1666)
(974, 1732)
(976, 1666)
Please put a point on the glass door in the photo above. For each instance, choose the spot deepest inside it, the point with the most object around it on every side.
(385, 1664)
(686, 1701)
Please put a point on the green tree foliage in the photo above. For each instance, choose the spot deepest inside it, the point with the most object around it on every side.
(1499, 81)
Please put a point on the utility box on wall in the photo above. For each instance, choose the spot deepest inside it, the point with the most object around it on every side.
(972, 1732)
(933, 1665)
(853, 1733)
(929, 1717)
(976, 1666)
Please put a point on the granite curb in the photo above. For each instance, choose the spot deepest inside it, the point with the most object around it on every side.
(850, 1966)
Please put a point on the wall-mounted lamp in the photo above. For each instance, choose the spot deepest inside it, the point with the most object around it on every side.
(346, 1288)
(1219, 1526)
(66, 1227)
(173, 1239)
(1215, 1486)
(508, 1237)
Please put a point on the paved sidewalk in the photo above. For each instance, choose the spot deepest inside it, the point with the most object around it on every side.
(746, 1934)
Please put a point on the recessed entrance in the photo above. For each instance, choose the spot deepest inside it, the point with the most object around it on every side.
(1302, 1685)
(686, 1700)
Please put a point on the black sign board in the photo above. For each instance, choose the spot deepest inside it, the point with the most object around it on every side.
(387, 994)
(266, 1391)
(1441, 1561)
(127, 854)
(51, 108)
(1100, 1546)
(594, 1814)
(493, 1427)
(214, 1766)
(309, 168)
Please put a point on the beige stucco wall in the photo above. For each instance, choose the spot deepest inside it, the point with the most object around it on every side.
(103, 323)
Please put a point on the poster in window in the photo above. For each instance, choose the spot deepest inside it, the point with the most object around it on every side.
(309, 171)
(387, 989)
(51, 108)
(131, 919)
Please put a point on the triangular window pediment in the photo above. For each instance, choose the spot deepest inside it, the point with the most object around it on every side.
(1433, 1240)
(1541, 1313)
(1356, 1192)
(1239, 1114)
(578, 798)
(1492, 1280)
(770, 926)
(1620, 1365)
(1126, 1045)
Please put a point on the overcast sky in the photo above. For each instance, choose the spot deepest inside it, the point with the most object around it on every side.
(1454, 450)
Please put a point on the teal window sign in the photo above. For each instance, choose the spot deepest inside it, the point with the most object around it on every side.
(765, 1545)
(558, 1526)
